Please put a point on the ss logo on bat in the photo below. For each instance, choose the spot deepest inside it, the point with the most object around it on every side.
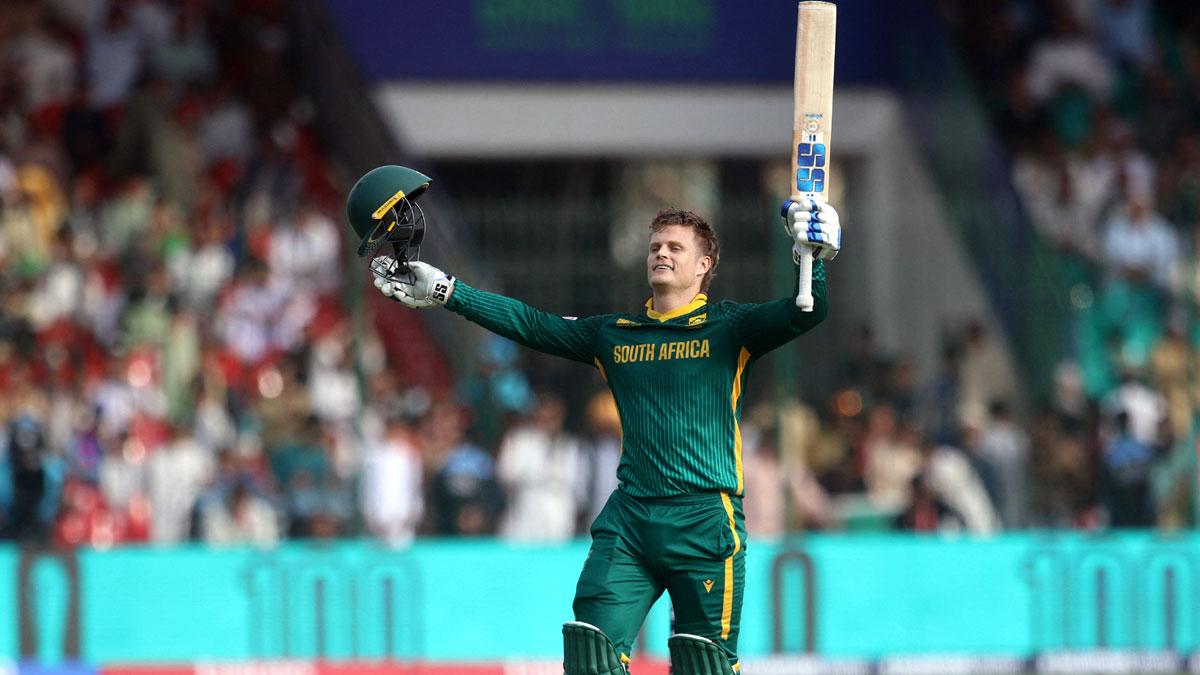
(810, 167)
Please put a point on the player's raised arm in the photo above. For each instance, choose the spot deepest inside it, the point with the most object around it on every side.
(427, 286)
(382, 209)
(763, 327)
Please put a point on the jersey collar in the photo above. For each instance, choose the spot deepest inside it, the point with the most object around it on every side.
(692, 306)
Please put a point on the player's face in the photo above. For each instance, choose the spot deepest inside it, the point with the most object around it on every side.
(675, 261)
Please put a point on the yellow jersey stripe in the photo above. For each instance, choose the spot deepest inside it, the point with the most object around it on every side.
(692, 306)
(743, 359)
(727, 600)
(620, 426)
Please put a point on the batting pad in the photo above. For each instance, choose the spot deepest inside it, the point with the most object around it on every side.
(587, 651)
(695, 655)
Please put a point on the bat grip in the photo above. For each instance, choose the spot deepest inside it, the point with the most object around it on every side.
(804, 298)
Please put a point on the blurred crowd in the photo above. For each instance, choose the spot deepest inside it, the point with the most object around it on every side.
(1096, 102)
(175, 359)
(178, 356)
(178, 360)
(958, 452)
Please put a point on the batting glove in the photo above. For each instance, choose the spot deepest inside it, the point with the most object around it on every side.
(422, 287)
(810, 222)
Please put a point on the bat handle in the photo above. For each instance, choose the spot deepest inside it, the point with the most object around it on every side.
(804, 298)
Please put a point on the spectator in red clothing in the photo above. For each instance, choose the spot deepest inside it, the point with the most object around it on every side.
(83, 517)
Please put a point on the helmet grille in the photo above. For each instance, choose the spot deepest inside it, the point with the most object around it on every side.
(404, 227)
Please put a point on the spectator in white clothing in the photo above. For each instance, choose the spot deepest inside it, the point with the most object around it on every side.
(947, 472)
(242, 517)
(115, 56)
(392, 495)
(1145, 408)
(176, 475)
(251, 313)
(1140, 247)
(986, 375)
(1068, 58)
(1004, 448)
(227, 131)
(541, 469)
(43, 60)
(304, 251)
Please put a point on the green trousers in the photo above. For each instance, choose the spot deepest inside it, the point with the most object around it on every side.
(693, 547)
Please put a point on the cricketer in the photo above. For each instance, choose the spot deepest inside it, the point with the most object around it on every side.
(677, 370)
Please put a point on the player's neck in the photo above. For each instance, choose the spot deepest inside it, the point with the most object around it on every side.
(667, 300)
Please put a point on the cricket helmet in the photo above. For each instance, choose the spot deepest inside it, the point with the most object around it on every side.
(382, 208)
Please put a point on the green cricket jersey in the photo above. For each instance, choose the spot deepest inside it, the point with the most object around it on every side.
(677, 378)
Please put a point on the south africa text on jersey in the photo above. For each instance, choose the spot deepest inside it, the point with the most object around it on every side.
(666, 351)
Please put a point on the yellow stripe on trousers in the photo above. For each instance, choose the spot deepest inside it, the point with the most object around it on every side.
(727, 603)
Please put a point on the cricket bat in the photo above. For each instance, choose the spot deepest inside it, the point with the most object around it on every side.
(812, 118)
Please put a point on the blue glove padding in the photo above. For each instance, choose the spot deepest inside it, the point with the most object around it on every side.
(812, 222)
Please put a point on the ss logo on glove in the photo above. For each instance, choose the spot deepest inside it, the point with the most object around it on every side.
(440, 292)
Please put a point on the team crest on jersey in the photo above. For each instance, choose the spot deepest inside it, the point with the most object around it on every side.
(626, 322)
(698, 319)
